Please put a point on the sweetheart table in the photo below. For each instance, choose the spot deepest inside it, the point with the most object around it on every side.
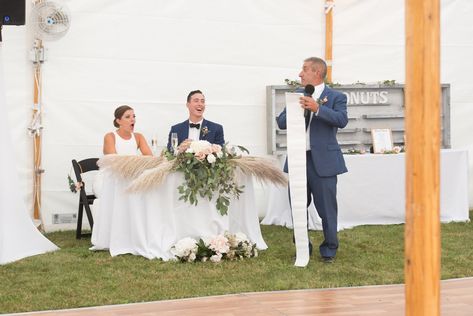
(149, 223)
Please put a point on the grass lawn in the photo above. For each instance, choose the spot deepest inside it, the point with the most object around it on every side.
(77, 277)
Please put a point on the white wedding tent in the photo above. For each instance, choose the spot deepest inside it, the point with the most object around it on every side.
(150, 54)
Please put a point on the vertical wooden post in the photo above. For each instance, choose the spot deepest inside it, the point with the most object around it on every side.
(37, 170)
(422, 99)
(328, 37)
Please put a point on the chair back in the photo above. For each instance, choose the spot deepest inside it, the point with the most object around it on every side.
(84, 166)
(85, 200)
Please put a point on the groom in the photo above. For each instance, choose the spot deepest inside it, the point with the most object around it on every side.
(196, 127)
(327, 112)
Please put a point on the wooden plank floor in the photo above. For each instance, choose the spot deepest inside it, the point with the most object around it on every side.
(456, 299)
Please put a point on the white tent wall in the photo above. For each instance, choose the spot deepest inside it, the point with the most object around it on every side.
(150, 54)
(19, 96)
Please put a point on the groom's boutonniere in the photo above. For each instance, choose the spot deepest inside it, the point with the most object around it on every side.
(322, 101)
(204, 131)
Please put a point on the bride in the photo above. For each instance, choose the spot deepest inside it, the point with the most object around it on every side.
(123, 141)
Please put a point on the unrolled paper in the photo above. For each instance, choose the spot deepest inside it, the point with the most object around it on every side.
(296, 153)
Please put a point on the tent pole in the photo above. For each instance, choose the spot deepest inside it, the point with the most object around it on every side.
(37, 169)
(328, 37)
(422, 100)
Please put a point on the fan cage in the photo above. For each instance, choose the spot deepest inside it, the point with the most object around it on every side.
(50, 20)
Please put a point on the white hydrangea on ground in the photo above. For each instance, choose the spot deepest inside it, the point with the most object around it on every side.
(216, 248)
(185, 249)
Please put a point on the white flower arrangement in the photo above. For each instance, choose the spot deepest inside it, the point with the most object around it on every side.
(199, 146)
(211, 158)
(216, 258)
(185, 249)
(207, 171)
(219, 244)
(215, 248)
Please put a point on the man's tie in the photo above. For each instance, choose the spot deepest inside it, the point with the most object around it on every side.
(307, 119)
(192, 125)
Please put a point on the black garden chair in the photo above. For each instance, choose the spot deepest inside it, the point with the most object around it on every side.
(85, 200)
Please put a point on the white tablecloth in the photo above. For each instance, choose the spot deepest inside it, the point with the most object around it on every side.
(150, 223)
(373, 192)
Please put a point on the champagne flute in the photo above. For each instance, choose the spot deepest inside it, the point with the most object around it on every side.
(174, 143)
(154, 145)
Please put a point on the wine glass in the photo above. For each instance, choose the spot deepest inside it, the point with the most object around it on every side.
(174, 143)
(154, 145)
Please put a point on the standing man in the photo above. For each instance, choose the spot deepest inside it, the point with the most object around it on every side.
(324, 158)
(196, 127)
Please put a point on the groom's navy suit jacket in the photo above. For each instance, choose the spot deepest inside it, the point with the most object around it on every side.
(214, 133)
(326, 154)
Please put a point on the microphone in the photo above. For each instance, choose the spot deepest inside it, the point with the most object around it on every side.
(308, 91)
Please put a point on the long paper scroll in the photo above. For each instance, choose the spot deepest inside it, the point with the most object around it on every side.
(296, 153)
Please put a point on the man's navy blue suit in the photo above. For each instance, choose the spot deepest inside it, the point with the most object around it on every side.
(324, 162)
(214, 133)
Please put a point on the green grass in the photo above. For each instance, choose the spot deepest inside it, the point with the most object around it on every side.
(76, 277)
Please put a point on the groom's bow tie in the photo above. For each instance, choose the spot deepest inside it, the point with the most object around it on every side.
(192, 125)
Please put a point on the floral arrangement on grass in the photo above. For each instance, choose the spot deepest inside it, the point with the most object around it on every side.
(215, 249)
(210, 171)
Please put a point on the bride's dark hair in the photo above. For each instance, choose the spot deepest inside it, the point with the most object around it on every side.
(119, 113)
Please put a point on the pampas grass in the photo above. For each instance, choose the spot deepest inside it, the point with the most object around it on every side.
(129, 167)
(148, 171)
(151, 177)
(262, 169)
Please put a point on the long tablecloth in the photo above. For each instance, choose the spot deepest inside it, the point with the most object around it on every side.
(373, 192)
(150, 223)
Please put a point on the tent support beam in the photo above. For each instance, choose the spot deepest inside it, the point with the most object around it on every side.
(37, 169)
(422, 100)
(329, 37)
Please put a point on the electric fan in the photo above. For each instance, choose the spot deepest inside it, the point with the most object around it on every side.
(50, 19)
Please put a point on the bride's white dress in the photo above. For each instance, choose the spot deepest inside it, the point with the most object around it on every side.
(123, 147)
(19, 238)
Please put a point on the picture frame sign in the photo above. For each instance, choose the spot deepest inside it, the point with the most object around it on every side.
(382, 140)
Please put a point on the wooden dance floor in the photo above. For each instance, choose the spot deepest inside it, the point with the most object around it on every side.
(456, 299)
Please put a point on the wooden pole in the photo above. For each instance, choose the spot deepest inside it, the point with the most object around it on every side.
(328, 37)
(422, 99)
(37, 170)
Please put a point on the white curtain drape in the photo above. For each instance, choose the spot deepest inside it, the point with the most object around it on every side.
(19, 238)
